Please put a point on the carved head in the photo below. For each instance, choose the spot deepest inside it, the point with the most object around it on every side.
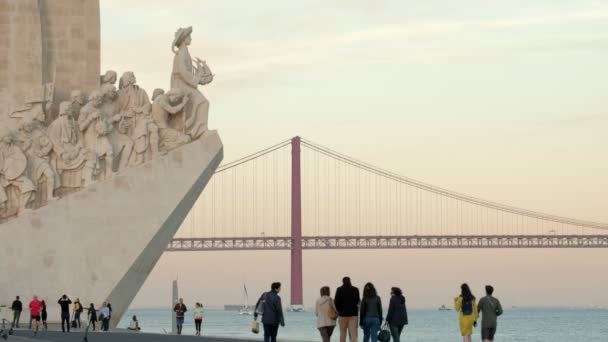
(183, 35)
(7, 135)
(175, 95)
(109, 77)
(77, 97)
(27, 125)
(127, 79)
(109, 92)
(156, 93)
(96, 98)
(65, 108)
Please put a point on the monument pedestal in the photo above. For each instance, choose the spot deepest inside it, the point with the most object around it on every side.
(101, 243)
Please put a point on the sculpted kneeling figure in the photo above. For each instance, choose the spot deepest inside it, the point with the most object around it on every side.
(164, 105)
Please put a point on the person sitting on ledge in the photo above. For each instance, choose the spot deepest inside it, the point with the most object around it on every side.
(134, 325)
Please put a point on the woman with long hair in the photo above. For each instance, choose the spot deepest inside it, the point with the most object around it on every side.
(326, 313)
(371, 313)
(397, 313)
(44, 315)
(466, 306)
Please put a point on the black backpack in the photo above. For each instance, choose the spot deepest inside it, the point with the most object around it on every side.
(467, 307)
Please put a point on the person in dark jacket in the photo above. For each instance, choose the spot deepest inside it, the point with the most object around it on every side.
(347, 304)
(371, 313)
(65, 302)
(180, 310)
(272, 312)
(397, 313)
(44, 316)
(17, 307)
(92, 313)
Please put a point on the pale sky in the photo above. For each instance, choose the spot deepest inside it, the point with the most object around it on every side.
(504, 100)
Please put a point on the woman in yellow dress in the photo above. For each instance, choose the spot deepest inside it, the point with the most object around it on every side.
(466, 306)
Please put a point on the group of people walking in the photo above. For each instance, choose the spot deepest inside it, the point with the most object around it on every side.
(180, 310)
(38, 314)
(349, 311)
(489, 307)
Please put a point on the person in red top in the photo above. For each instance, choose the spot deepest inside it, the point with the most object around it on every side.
(35, 308)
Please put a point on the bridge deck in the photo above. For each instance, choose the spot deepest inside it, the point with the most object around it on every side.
(391, 242)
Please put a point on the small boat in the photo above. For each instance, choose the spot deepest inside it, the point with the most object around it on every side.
(245, 310)
(296, 308)
(444, 308)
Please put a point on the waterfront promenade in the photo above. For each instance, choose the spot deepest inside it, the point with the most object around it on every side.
(113, 336)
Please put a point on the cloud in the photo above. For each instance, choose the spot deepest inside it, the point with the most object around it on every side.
(236, 59)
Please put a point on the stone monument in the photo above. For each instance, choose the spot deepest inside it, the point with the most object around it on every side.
(95, 179)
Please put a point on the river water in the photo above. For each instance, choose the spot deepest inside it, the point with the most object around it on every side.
(529, 325)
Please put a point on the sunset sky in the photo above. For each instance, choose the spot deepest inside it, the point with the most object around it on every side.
(503, 100)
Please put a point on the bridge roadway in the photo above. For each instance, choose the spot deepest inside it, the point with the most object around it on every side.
(390, 242)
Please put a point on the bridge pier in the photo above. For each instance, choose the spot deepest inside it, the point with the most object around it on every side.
(296, 227)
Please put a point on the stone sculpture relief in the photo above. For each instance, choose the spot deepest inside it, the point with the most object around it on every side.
(98, 134)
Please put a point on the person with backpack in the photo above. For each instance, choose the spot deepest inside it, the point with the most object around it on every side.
(326, 313)
(270, 307)
(65, 302)
(466, 306)
(77, 310)
(180, 310)
(370, 317)
(489, 307)
(397, 313)
(347, 303)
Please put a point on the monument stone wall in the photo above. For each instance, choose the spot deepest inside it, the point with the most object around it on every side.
(48, 41)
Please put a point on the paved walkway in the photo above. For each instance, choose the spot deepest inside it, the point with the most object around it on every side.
(114, 336)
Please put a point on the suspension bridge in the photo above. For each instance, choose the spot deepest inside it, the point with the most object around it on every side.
(300, 195)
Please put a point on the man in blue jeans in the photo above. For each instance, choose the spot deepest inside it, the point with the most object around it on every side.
(270, 306)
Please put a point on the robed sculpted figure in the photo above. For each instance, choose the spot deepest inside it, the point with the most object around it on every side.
(186, 77)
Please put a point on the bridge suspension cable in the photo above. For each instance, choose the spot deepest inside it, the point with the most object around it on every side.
(448, 193)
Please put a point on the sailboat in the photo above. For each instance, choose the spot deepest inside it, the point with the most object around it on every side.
(245, 310)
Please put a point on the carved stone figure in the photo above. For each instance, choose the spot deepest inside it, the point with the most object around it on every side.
(37, 104)
(134, 105)
(120, 126)
(108, 78)
(163, 106)
(13, 167)
(37, 147)
(73, 162)
(95, 129)
(95, 136)
(78, 100)
(187, 77)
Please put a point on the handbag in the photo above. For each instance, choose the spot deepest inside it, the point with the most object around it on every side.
(331, 312)
(385, 334)
(255, 327)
